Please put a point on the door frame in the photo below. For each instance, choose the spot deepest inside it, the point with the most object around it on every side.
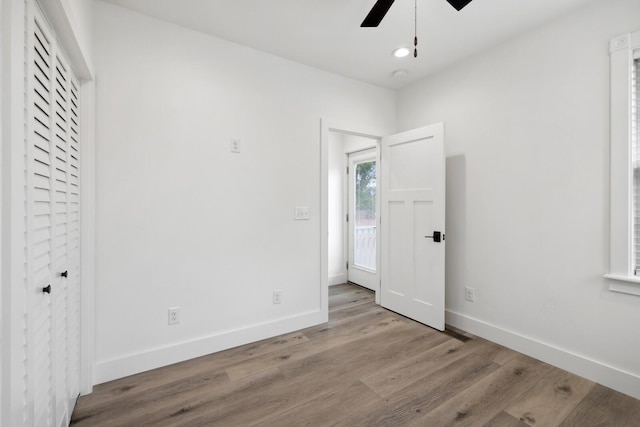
(326, 128)
(13, 219)
(372, 154)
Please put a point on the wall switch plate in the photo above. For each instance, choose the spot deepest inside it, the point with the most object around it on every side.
(301, 213)
(235, 145)
(277, 297)
(469, 294)
(174, 315)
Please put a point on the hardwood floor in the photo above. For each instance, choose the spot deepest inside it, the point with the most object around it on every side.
(366, 367)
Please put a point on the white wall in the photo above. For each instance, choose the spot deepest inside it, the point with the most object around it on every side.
(527, 142)
(336, 206)
(181, 221)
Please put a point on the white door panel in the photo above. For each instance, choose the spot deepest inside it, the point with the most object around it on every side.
(412, 208)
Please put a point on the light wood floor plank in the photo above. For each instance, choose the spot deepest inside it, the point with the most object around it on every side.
(327, 408)
(320, 344)
(550, 401)
(336, 367)
(392, 379)
(481, 402)
(304, 378)
(505, 420)
(428, 393)
(214, 402)
(604, 407)
(366, 367)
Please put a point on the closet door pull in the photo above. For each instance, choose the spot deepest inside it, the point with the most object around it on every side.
(64, 274)
(47, 289)
(437, 236)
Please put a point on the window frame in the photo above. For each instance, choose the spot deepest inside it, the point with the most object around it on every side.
(621, 269)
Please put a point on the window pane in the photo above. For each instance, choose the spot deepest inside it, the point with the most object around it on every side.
(364, 246)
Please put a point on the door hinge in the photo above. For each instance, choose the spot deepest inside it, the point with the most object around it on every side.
(347, 217)
(347, 264)
(347, 170)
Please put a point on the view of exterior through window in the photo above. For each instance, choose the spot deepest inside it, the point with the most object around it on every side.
(365, 221)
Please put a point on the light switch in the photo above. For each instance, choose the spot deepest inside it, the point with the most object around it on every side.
(301, 213)
(235, 145)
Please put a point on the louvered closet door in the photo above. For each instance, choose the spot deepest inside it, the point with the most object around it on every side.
(52, 256)
(39, 231)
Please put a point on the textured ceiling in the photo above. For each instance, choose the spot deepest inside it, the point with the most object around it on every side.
(326, 34)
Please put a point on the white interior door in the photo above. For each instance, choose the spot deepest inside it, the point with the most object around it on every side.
(52, 214)
(362, 177)
(413, 212)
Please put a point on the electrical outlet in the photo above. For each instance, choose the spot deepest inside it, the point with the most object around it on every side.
(469, 294)
(301, 213)
(174, 315)
(277, 297)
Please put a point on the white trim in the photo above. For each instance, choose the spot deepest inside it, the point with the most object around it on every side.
(12, 281)
(610, 376)
(87, 236)
(337, 279)
(619, 43)
(630, 279)
(632, 285)
(60, 21)
(621, 167)
(2, 261)
(139, 362)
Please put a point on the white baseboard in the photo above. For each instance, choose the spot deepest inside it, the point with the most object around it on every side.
(609, 376)
(109, 370)
(338, 279)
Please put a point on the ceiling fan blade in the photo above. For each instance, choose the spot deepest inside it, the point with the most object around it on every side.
(459, 4)
(377, 12)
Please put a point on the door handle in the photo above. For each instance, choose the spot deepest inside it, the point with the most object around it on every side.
(47, 289)
(64, 274)
(437, 236)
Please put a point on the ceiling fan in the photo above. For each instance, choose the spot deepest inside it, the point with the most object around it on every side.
(380, 9)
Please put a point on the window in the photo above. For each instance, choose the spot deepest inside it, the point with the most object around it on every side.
(625, 164)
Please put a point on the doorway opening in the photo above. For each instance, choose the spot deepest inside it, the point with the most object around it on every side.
(351, 207)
